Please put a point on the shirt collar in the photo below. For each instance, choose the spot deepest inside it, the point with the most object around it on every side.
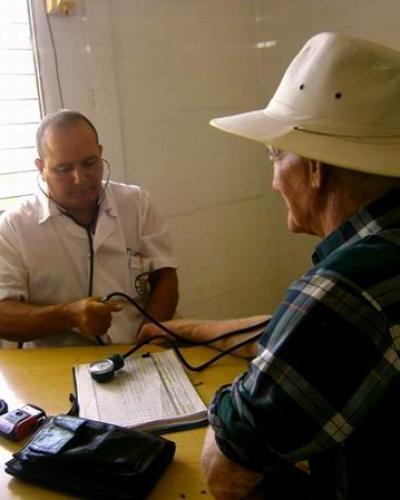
(48, 208)
(378, 215)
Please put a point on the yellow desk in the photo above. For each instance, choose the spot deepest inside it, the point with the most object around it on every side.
(44, 377)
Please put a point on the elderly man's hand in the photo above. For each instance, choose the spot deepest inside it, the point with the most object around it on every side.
(91, 316)
(226, 479)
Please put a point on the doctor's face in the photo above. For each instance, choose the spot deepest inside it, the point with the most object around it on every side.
(72, 166)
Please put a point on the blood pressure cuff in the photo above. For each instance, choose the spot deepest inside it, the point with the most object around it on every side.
(92, 459)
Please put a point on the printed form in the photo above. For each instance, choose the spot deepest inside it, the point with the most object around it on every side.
(151, 392)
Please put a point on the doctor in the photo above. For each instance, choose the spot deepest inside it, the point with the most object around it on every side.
(78, 239)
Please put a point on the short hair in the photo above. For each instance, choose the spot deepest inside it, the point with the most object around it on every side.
(60, 119)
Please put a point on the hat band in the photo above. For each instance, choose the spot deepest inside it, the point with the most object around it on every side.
(381, 139)
(302, 121)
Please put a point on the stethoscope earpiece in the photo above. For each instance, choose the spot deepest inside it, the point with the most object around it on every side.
(104, 370)
(41, 177)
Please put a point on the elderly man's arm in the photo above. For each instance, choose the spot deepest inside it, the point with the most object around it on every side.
(23, 321)
(226, 479)
(197, 331)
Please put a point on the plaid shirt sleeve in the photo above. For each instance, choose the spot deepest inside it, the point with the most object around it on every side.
(325, 359)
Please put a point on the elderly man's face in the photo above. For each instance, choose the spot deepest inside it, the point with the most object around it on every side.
(292, 180)
(72, 166)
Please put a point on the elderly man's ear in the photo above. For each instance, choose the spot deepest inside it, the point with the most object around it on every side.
(318, 173)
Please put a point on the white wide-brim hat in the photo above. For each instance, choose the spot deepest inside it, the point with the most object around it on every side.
(338, 102)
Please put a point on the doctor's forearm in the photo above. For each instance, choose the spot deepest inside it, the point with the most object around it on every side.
(164, 295)
(21, 321)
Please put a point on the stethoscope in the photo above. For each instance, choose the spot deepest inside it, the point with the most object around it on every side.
(88, 228)
(105, 369)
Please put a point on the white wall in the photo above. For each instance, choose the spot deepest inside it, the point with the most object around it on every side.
(151, 74)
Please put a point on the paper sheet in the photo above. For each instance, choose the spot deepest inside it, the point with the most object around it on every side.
(151, 391)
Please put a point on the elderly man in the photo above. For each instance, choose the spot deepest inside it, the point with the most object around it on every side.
(325, 385)
(77, 240)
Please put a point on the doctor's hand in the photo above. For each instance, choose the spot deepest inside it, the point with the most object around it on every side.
(91, 316)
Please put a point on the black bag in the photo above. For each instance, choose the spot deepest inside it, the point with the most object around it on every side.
(92, 459)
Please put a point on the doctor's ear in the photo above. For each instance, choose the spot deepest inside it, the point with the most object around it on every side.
(40, 166)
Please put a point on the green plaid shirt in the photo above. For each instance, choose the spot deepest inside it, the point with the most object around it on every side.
(324, 386)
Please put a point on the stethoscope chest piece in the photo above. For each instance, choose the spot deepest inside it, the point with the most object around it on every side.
(104, 369)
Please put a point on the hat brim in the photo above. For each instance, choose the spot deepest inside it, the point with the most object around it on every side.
(379, 156)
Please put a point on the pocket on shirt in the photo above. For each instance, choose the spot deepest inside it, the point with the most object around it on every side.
(139, 270)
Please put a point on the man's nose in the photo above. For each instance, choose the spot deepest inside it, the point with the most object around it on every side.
(78, 174)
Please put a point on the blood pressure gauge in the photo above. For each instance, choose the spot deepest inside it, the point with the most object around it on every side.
(104, 369)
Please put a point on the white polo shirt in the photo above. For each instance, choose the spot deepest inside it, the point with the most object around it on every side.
(44, 256)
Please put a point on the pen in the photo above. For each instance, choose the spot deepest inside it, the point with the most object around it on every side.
(129, 254)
